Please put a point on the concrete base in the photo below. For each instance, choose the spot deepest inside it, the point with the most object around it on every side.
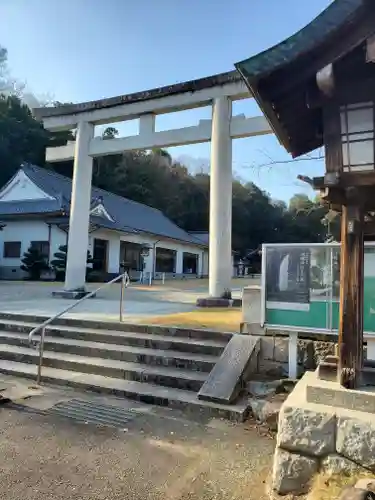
(316, 437)
(71, 294)
(218, 302)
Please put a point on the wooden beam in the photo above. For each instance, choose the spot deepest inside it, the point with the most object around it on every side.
(369, 228)
(351, 298)
(348, 179)
(332, 137)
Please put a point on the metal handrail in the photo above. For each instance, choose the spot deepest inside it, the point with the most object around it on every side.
(125, 280)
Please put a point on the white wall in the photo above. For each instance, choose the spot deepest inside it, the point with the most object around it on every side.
(58, 238)
(27, 231)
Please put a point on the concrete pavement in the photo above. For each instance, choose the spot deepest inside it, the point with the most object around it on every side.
(158, 453)
(140, 302)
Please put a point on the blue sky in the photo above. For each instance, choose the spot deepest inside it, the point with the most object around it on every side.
(79, 50)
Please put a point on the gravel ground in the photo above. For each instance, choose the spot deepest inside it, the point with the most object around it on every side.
(161, 455)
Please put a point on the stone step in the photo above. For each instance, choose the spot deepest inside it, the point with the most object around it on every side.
(168, 377)
(169, 331)
(159, 357)
(140, 391)
(183, 344)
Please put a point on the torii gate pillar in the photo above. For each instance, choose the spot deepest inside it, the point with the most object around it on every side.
(220, 245)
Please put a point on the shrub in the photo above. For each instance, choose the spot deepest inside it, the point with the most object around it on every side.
(34, 263)
(59, 263)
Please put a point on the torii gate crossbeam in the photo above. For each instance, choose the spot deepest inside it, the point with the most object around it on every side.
(218, 91)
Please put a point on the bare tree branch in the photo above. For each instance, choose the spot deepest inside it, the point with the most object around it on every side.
(272, 161)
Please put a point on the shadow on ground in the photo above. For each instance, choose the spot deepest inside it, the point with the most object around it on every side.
(161, 454)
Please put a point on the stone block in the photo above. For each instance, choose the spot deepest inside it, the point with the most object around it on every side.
(272, 368)
(366, 483)
(352, 493)
(230, 373)
(72, 294)
(292, 472)
(336, 464)
(306, 431)
(305, 354)
(331, 394)
(260, 389)
(322, 350)
(267, 347)
(265, 411)
(355, 439)
(281, 350)
(251, 304)
(215, 302)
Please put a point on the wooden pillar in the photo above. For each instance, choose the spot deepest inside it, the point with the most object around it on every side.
(351, 297)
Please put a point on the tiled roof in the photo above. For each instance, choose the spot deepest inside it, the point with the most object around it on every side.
(204, 237)
(30, 207)
(127, 215)
(301, 42)
(282, 79)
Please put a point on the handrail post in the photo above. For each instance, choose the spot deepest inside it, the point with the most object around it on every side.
(41, 350)
(122, 285)
(125, 281)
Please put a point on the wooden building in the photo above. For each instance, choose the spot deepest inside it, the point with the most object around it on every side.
(317, 88)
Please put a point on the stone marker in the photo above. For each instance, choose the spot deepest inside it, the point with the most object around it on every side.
(228, 376)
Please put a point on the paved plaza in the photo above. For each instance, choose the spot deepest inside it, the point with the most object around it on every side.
(158, 453)
(140, 302)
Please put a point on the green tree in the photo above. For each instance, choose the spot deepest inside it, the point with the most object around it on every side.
(58, 264)
(22, 138)
(300, 202)
(33, 263)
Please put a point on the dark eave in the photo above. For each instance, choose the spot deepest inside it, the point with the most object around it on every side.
(288, 69)
(33, 215)
(178, 88)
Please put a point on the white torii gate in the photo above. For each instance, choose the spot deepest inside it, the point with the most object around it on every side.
(218, 91)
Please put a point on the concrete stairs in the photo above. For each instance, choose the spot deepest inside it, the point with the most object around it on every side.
(157, 365)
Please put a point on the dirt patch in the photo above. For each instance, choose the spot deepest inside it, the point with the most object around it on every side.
(163, 456)
(225, 319)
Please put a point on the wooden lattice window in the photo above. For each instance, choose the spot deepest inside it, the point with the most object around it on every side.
(357, 137)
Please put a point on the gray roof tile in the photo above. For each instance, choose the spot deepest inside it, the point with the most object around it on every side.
(29, 207)
(127, 215)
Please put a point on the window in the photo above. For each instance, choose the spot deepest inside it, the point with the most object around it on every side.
(12, 249)
(190, 263)
(357, 137)
(42, 247)
(165, 261)
(130, 256)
